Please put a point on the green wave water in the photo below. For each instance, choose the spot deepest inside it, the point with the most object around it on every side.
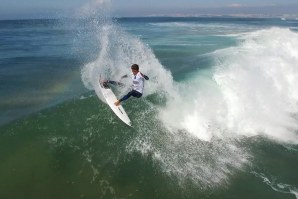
(80, 150)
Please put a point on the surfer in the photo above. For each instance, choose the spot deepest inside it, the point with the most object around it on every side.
(137, 84)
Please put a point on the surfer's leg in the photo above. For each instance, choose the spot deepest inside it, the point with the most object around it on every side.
(136, 94)
(125, 97)
(131, 93)
(116, 83)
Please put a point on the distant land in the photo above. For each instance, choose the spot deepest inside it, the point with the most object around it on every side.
(285, 16)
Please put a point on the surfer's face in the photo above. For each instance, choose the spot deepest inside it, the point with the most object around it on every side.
(134, 71)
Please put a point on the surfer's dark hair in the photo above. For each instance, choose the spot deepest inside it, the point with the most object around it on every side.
(135, 67)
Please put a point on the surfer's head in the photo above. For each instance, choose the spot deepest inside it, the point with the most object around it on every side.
(135, 68)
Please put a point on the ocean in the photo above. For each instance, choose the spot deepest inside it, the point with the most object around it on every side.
(218, 118)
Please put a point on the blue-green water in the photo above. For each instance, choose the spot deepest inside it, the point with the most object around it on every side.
(218, 118)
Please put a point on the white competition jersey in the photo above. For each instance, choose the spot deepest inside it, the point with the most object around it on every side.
(138, 82)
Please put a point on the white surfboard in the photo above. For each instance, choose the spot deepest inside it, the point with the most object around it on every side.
(110, 98)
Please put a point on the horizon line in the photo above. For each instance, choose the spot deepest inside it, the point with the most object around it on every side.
(177, 15)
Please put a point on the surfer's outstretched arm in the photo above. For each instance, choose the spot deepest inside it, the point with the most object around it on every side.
(145, 76)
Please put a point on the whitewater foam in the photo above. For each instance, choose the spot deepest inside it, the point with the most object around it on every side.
(195, 135)
(252, 91)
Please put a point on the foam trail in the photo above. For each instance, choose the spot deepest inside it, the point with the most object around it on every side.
(252, 91)
(277, 186)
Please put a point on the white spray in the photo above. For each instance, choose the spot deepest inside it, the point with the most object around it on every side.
(251, 92)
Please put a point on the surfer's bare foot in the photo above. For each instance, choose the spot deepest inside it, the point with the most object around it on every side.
(117, 103)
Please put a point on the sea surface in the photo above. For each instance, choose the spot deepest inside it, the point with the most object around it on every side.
(218, 118)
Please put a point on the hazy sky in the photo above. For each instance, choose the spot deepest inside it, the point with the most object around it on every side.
(55, 8)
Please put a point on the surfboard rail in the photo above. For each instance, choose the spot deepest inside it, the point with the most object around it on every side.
(110, 98)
